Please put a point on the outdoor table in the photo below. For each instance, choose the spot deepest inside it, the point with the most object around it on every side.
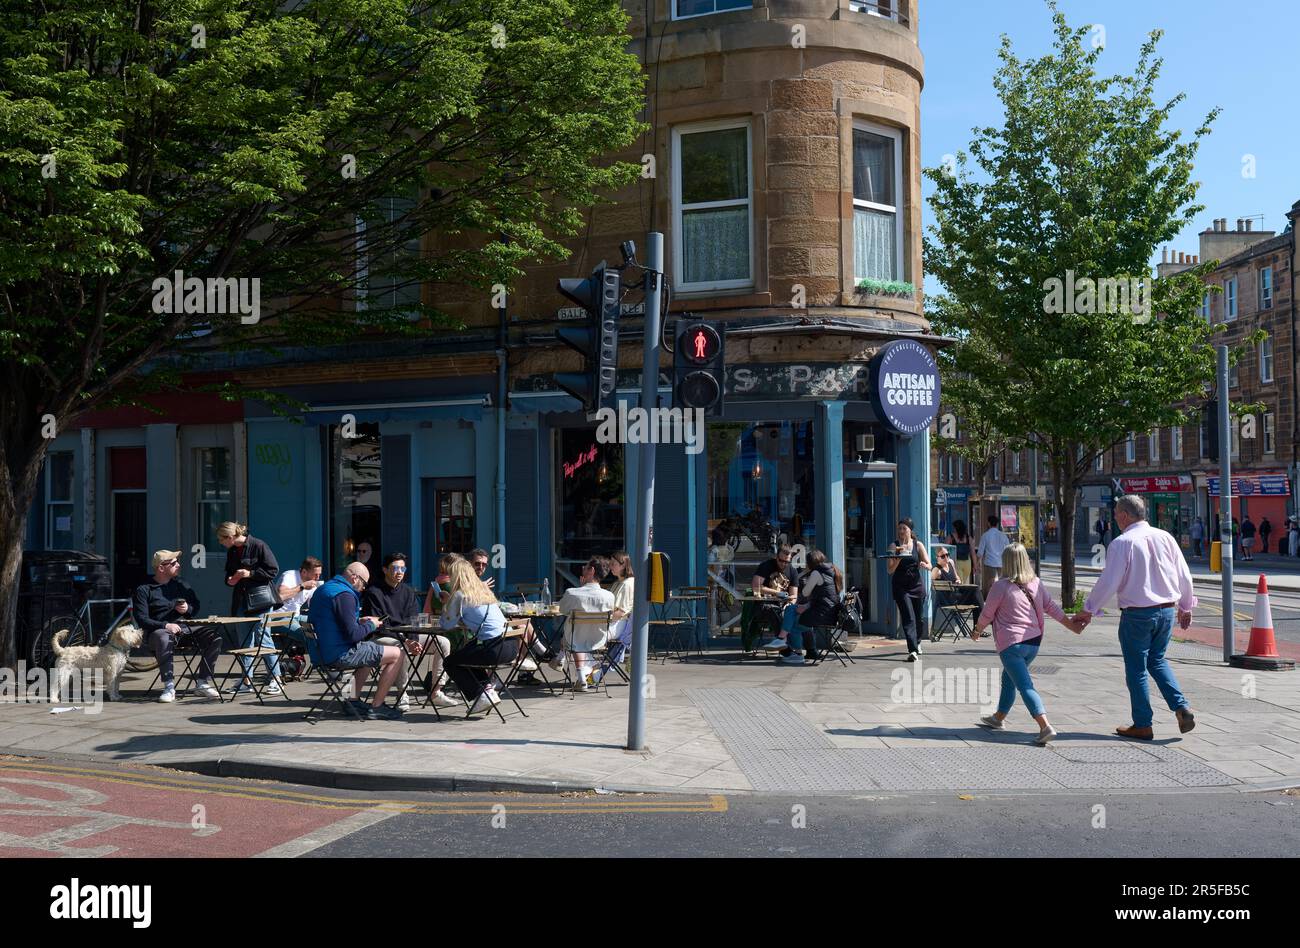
(416, 661)
(685, 613)
(754, 602)
(221, 624)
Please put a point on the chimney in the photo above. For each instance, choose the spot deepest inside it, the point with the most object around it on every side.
(1182, 257)
(1196, 258)
(1164, 255)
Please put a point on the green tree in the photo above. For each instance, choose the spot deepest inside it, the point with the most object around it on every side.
(1083, 181)
(305, 145)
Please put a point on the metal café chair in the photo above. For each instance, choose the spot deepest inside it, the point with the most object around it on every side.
(494, 677)
(594, 621)
(949, 613)
(189, 650)
(271, 622)
(334, 679)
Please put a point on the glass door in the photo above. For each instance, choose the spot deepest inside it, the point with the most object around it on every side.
(869, 521)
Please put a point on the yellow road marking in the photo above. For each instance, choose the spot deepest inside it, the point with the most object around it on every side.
(715, 803)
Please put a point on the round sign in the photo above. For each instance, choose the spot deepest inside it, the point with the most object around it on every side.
(905, 386)
(700, 343)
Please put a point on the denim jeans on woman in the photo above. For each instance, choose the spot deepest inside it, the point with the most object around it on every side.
(272, 660)
(1016, 660)
(1143, 637)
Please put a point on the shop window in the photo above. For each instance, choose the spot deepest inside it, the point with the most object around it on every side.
(877, 224)
(590, 516)
(714, 199)
(213, 499)
(356, 482)
(762, 488)
(58, 501)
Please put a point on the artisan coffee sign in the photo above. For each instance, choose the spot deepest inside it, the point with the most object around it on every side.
(905, 386)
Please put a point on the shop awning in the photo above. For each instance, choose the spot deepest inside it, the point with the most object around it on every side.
(1159, 484)
(469, 408)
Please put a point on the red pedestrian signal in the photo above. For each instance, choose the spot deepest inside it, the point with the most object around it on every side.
(698, 366)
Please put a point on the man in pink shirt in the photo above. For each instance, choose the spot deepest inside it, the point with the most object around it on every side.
(1147, 573)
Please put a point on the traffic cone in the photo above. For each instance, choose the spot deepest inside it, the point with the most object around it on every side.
(1261, 653)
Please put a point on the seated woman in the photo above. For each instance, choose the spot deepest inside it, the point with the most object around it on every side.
(945, 571)
(817, 605)
(620, 629)
(472, 604)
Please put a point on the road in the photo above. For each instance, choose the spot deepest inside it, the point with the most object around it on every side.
(76, 809)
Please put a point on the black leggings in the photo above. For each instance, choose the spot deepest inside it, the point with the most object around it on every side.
(911, 616)
(471, 680)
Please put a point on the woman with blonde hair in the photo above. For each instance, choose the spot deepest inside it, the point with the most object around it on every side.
(1015, 608)
(251, 570)
(470, 603)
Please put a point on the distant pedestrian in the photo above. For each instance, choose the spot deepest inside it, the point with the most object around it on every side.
(1198, 536)
(1146, 571)
(1247, 538)
(989, 553)
(1015, 609)
(1236, 538)
(960, 539)
(1102, 529)
(1265, 529)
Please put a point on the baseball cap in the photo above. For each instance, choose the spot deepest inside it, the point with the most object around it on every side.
(163, 556)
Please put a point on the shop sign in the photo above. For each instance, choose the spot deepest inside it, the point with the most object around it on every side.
(1268, 483)
(584, 458)
(940, 497)
(905, 386)
(1161, 483)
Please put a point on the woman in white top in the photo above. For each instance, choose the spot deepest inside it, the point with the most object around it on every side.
(620, 628)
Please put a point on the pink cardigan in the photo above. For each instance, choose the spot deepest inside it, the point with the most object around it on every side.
(1013, 619)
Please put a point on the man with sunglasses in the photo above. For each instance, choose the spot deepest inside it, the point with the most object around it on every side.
(778, 577)
(158, 607)
(391, 598)
(478, 559)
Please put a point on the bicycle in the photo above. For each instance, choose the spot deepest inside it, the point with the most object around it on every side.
(81, 631)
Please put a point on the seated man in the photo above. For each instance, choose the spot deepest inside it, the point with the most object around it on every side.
(335, 615)
(156, 608)
(777, 577)
(589, 597)
(394, 600)
(295, 588)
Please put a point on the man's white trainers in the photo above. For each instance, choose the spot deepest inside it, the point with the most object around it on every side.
(443, 700)
(485, 702)
(169, 693)
(528, 665)
(206, 689)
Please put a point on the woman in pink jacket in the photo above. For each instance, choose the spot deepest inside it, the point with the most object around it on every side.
(1015, 609)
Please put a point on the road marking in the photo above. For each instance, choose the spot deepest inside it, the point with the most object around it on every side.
(328, 834)
(715, 803)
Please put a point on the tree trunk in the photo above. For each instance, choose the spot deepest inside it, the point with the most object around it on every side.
(17, 492)
(1065, 505)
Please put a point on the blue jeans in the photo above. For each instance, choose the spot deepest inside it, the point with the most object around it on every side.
(272, 661)
(1143, 637)
(1015, 677)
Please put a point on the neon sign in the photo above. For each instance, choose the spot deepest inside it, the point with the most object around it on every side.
(586, 457)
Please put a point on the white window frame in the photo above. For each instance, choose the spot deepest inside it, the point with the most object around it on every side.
(1270, 433)
(1206, 311)
(1176, 442)
(716, 125)
(885, 131)
(1266, 359)
(1153, 444)
(1230, 300)
(1266, 288)
(52, 503)
(1015, 463)
(713, 12)
(1130, 448)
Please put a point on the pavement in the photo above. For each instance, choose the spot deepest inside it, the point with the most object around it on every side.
(720, 725)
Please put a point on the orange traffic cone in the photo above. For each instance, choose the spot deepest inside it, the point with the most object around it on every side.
(1262, 652)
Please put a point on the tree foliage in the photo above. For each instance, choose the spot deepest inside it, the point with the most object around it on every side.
(1084, 175)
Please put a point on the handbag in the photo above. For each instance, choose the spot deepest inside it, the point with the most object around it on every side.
(259, 599)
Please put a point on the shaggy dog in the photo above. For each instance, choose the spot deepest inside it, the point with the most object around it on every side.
(111, 658)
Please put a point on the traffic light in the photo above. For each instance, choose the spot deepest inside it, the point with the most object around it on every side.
(597, 339)
(698, 358)
(1210, 429)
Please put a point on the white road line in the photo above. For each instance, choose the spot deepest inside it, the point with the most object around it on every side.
(328, 834)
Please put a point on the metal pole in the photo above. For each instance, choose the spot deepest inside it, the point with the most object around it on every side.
(645, 496)
(1225, 501)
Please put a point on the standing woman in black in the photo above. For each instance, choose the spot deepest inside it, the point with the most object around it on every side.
(909, 593)
(251, 570)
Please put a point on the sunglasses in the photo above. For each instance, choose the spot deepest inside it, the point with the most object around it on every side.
(480, 564)
(398, 569)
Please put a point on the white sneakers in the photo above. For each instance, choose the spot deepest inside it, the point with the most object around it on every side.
(169, 693)
(485, 702)
(775, 643)
(528, 665)
(442, 700)
(205, 688)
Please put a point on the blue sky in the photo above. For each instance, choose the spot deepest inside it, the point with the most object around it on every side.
(1243, 57)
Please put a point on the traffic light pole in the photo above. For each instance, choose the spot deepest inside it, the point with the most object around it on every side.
(1225, 502)
(645, 496)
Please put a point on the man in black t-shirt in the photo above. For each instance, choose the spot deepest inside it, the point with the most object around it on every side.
(158, 608)
(776, 577)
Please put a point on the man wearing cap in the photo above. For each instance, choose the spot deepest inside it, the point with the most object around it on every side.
(158, 607)
(1146, 572)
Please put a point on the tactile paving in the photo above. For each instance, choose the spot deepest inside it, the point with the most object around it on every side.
(780, 750)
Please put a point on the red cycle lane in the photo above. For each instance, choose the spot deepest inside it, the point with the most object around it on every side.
(49, 810)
